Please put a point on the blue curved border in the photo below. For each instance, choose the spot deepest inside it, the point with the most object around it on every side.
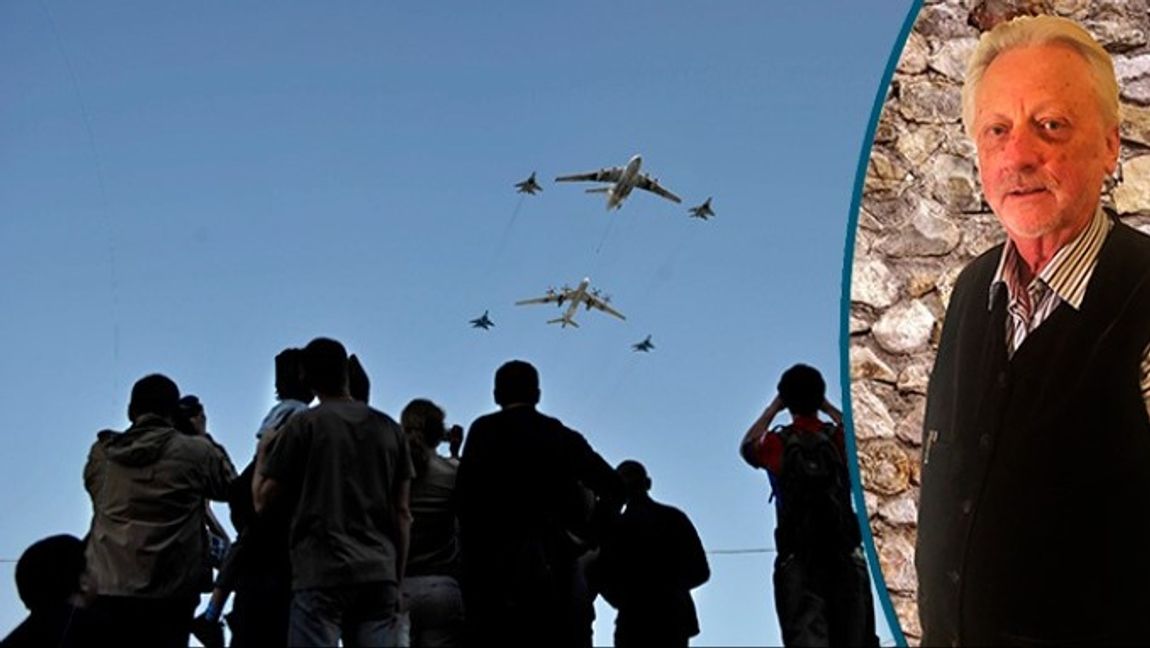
(844, 329)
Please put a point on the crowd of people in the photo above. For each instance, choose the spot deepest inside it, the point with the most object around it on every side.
(352, 527)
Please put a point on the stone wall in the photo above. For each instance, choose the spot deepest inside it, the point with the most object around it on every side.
(923, 217)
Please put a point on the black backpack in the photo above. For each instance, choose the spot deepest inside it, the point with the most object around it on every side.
(814, 510)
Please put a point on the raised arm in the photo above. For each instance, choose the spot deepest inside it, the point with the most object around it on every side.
(760, 427)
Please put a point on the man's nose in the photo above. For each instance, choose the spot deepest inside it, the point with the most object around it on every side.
(1022, 149)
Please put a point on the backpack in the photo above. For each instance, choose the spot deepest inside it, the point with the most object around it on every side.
(814, 508)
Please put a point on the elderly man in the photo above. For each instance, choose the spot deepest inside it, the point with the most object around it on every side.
(1033, 522)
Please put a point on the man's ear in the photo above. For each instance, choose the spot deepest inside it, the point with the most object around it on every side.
(1113, 144)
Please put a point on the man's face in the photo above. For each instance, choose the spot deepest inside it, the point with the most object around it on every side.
(1043, 148)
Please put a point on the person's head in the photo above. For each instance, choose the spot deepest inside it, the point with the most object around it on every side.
(423, 422)
(358, 384)
(325, 367)
(634, 476)
(289, 376)
(190, 418)
(154, 394)
(802, 390)
(516, 383)
(48, 572)
(1040, 102)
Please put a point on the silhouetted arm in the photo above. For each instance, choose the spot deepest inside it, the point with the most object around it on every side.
(402, 506)
(696, 571)
(758, 430)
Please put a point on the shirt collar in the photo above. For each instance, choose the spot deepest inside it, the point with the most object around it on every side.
(1069, 270)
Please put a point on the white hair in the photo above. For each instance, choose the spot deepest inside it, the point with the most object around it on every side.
(1042, 30)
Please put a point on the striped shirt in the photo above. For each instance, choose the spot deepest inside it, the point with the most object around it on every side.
(1062, 281)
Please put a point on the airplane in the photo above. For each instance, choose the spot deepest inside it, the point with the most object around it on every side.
(579, 295)
(623, 180)
(702, 211)
(528, 186)
(482, 322)
(644, 346)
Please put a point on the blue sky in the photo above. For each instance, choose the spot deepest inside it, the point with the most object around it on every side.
(191, 188)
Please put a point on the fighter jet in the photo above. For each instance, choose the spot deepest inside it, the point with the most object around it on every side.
(623, 179)
(579, 295)
(528, 186)
(483, 322)
(702, 211)
(644, 346)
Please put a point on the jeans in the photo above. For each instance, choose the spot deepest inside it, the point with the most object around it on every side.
(435, 611)
(362, 615)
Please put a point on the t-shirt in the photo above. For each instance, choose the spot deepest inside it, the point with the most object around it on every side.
(280, 413)
(434, 531)
(344, 463)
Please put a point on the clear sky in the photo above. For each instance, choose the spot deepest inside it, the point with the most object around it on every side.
(188, 188)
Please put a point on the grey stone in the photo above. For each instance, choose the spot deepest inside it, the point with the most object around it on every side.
(1076, 9)
(867, 221)
(873, 284)
(1130, 68)
(896, 556)
(865, 365)
(914, 55)
(859, 325)
(921, 282)
(952, 56)
(930, 234)
(901, 510)
(1135, 126)
(914, 377)
(930, 102)
(1137, 91)
(955, 182)
(1133, 195)
(904, 327)
(870, 415)
(1116, 35)
(943, 21)
(884, 173)
(886, 131)
(906, 609)
(980, 232)
(988, 13)
(909, 427)
(946, 283)
(917, 144)
(871, 501)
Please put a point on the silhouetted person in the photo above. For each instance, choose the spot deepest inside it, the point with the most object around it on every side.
(146, 549)
(346, 471)
(431, 587)
(358, 384)
(48, 581)
(257, 566)
(520, 490)
(822, 591)
(647, 567)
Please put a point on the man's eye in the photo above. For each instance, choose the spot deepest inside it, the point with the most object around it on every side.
(995, 130)
(1051, 125)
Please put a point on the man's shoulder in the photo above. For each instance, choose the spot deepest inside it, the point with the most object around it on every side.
(1134, 242)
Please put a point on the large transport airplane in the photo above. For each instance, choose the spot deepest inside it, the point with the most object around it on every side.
(580, 295)
(623, 179)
